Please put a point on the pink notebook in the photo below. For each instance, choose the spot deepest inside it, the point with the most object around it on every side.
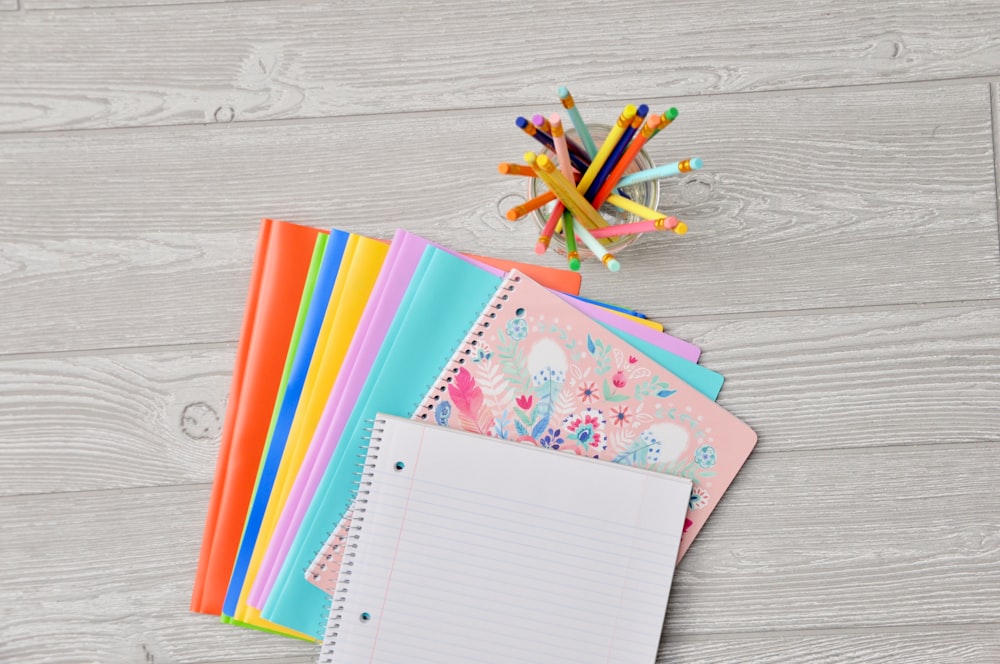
(537, 370)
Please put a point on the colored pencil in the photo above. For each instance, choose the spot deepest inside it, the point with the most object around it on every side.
(670, 115)
(575, 203)
(661, 224)
(659, 172)
(545, 237)
(569, 232)
(633, 207)
(539, 121)
(566, 222)
(617, 152)
(627, 158)
(574, 115)
(524, 208)
(610, 141)
(515, 169)
(546, 139)
(623, 310)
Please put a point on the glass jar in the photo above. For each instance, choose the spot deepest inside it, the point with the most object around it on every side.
(645, 193)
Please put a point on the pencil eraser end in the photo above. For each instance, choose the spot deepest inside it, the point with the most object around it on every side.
(574, 264)
(555, 119)
(563, 92)
(681, 228)
(614, 265)
(541, 248)
(642, 111)
(538, 119)
(629, 112)
(512, 215)
(672, 114)
(521, 122)
(696, 162)
(530, 157)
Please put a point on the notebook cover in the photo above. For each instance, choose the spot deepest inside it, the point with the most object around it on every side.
(361, 266)
(312, 309)
(404, 256)
(535, 369)
(281, 264)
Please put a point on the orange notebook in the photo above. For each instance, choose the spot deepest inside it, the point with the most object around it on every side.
(281, 264)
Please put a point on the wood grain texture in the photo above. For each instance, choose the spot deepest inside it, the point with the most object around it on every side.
(826, 199)
(111, 420)
(921, 547)
(253, 61)
(971, 643)
(8, 5)
(865, 379)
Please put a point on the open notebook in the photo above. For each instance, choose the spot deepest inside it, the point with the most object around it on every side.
(473, 549)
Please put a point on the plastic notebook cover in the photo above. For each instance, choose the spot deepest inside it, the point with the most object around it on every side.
(359, 270)
(278, 277)
(311, 312)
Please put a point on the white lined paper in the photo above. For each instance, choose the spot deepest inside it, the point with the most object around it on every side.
(491, 551)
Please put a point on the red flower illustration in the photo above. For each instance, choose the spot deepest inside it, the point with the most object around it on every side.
(619, 379)
(632, 359)
(524, 401)
(587, 392)
(620, 416)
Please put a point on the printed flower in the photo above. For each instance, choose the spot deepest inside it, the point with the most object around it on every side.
(588, 392)
(632, 359)
(619, 416)
(699, 498)
(704, 456)
(441, 413)
(524, 402)
(619, 379)
(665, 442)
(586, 429)
(517, 329)
(552, 439)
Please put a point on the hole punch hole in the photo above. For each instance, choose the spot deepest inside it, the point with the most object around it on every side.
(519, 312)
(365, 617)
(400, 465)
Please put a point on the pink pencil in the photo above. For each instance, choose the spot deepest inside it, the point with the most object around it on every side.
(664, 224)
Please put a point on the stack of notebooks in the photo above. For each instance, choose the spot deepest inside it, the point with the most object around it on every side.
(437, 457)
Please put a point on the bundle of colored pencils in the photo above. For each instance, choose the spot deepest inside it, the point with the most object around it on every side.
(585, 177)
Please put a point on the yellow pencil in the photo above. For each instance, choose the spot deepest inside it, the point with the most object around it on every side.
(607, 147)
(635, 208)
(575, 203)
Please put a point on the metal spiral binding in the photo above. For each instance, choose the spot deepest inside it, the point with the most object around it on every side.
(469, 344)
(333, 618)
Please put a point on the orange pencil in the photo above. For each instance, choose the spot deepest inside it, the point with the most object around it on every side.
(524, 208)
(515, 169)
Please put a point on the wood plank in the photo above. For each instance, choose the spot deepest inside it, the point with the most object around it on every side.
(969, 643)
(112, 420)
(8, 5)
(254, 61)
(132, 237)
(118, 565)
(804, 382)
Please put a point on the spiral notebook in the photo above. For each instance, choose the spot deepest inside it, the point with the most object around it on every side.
(534, 369)
(474, 549)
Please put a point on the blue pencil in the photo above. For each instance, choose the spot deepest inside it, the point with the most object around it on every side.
(610, 306)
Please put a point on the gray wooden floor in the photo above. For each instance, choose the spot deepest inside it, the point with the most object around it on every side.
(842, 271)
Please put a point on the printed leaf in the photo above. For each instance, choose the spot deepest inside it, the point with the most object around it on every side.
(468, 400)
(590, 345)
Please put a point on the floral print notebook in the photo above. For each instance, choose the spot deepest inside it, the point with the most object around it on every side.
(535, 369)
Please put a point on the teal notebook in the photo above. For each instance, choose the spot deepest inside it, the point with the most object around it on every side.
(437, 312)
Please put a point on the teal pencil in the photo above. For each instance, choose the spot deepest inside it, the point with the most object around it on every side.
(658, 172)
(578, 124)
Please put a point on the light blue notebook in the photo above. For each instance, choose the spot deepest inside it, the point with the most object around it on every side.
(440, 309)
(319, 299)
